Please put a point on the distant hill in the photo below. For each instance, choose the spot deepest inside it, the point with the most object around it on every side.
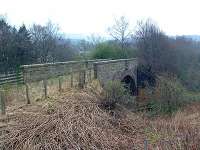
(76, 36)
(193, 37)
(87, 37)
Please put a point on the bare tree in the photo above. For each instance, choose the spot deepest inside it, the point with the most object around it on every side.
(45, 38)
(120, 31)
(50, 44)
(95, 39)
(154, 47)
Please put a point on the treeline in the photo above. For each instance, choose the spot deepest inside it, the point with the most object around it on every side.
(158, 53)
(169, 56)
(39, 44)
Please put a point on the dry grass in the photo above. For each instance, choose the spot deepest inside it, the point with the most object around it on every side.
(16, 94)
(181, 132)
(74, 120)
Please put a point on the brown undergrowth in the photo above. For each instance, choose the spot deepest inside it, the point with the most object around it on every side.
(75, 120)
(179, 132)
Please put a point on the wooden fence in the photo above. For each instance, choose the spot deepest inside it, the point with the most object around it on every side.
(43, 72)
(14, 78)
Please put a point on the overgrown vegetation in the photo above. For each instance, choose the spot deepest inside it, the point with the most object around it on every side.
(160, 54)
(110, 50)
(74, 120)
(167, 97)
(115, 92)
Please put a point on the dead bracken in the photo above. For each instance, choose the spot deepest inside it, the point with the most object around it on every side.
(74, 120)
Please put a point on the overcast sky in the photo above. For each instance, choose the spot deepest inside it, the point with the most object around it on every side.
(175, 17)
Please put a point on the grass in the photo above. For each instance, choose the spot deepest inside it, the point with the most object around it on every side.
(16, 94)
(73, 119)
(181, 131)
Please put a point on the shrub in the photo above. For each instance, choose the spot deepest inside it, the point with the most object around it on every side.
(191, 79)
(168, 96)
(145, 76)
(115, 92)
(112, 51)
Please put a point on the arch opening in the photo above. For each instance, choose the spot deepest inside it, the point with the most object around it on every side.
(129, 84)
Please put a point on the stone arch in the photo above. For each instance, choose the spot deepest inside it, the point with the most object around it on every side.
(129, 84)
(128, 77)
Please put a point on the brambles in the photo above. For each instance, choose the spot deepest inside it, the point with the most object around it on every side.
(180, 131)
(75, 123)
(115, 92)
(168, 96)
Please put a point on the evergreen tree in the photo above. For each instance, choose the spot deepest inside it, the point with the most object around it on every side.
(5, 46)
(24, 48)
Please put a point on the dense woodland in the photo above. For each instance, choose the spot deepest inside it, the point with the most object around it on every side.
(158, 53)
(39, 44)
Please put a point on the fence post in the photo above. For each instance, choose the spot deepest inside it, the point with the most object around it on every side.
(71, 77)
(90, 75)
(27, 94)
(84, 77)
(85, 72)
(45, 87)
(60, 84)
(126, 64)
(3, 105)
(95, 71)
(145, 145)
(81, 79)
(80, 84)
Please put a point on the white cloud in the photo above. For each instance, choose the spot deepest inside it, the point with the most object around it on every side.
(89, 16)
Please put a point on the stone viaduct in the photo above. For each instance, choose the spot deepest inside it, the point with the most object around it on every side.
(124, 70)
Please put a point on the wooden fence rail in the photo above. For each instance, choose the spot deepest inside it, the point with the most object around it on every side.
(14, 78)
(43, 72)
